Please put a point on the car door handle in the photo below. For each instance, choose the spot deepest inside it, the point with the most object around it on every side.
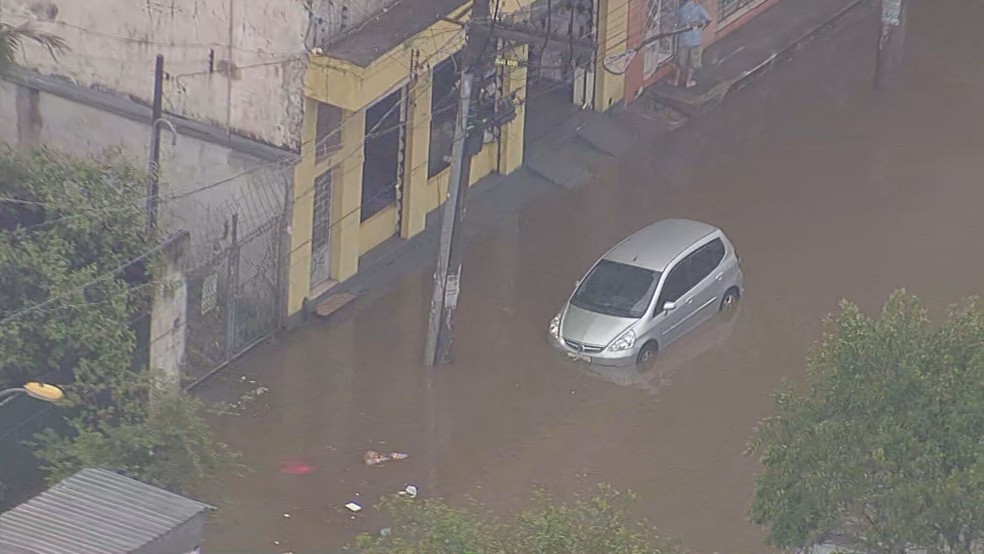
(690, 301)
(719, 277)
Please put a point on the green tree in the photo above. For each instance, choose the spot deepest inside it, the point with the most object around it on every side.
(67, 226)
(588, 526)
(886, 442)
(13, 37)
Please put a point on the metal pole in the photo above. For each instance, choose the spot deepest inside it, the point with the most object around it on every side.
(443, 285)
(155, 145)
(12, 392)
(447, 279)
(232, 290)
(890, 42)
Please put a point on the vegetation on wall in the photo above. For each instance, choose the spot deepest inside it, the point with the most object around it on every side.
(71, 295)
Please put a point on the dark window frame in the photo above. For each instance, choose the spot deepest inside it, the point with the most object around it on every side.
(728, 8)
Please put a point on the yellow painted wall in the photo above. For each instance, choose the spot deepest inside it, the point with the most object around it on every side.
(346, 199)
(417, 157)
(612, 35)
(375, 230)
(353, 89)
(299, 258)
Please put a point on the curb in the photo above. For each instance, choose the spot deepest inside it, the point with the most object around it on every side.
(787, 53)
(717, 94)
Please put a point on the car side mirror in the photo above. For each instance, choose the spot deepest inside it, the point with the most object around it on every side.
(669, 306)
(577, 283)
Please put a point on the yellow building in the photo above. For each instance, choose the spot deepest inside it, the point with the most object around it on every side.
(379, 114)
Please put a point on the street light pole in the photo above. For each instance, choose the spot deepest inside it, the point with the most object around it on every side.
(34, 389)
(153, 167)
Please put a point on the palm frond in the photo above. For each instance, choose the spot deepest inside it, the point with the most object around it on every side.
(12, 38)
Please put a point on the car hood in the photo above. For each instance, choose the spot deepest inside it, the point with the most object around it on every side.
(591, 327)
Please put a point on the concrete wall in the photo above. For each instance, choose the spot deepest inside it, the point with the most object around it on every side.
(168, 322)
(238, 64)
(189, 164)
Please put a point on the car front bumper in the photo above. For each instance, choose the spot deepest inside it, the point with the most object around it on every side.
(603, 358)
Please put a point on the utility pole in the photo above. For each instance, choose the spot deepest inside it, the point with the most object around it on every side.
(153, 170)
(890, 42)
(467, 142)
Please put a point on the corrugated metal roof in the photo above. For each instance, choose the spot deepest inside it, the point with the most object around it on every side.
(94, 512)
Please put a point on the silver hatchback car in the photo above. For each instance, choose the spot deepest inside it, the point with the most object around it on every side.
(649, 290)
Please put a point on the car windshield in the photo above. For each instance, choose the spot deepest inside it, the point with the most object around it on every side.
(617, 289)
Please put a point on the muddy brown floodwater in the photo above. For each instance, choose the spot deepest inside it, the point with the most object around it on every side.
(828, 190)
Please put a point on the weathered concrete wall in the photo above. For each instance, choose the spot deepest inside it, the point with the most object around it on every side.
(238, 64)
(168, 322)
(214, 179)
(252, 84)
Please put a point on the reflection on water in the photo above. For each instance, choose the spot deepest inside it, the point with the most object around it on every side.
(711, 338)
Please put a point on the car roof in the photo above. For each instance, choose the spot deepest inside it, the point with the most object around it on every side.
(655, 246)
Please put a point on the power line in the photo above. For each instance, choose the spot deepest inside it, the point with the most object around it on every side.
(286, 159)
(370, 134)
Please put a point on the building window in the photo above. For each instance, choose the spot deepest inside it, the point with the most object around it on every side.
(321, 229)
(731, 7)
(444, 111)
(329, 134)
(382, 155)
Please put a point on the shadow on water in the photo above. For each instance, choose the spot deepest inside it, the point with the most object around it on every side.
(711, 337)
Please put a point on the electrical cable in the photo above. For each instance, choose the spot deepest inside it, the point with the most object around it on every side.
(372, 133)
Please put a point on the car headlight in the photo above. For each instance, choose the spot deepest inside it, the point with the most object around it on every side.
(555, 327)
(624, 342)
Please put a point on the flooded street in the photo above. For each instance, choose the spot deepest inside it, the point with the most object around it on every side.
(828, 191)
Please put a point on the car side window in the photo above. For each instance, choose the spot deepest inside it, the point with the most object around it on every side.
(705, 260)
(677, 283)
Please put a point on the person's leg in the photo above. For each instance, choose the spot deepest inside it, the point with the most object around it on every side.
(683, 59)
(696, 59)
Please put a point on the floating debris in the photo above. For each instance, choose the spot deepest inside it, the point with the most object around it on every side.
(410, 491)
(295, 467)
(353, 507)
(373, 458)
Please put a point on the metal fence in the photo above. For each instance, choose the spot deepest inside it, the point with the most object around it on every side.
(234, 300)
(235, 268)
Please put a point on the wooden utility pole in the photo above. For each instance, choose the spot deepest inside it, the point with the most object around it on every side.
(467, 139)
(482, 42)
(153, 170)
(890, 42)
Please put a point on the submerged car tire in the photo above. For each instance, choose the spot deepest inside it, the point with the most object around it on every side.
(730, 300)
(647, 353)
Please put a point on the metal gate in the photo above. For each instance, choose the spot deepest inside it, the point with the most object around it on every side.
(321, 230)
(661, 19)
(234, 300)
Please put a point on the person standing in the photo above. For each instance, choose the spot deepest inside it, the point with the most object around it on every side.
(690, 54)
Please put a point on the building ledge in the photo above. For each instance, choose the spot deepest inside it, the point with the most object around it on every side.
(343, 77)
(124, 106)
(370, 61)
(386, 31)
